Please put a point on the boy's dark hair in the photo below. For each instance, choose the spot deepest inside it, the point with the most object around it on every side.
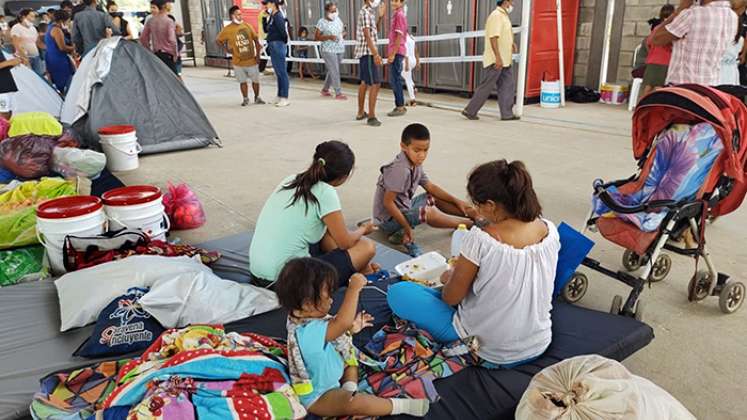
(61, 16)
(67, 4)
(302, 280)
(23, 13)
(233, 10)
(332, 160)
(415, 131)
(42, 27)
(507, 184)
(301, 30)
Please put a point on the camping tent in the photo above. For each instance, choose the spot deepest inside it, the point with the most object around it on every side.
(34, 94)
(120, 82)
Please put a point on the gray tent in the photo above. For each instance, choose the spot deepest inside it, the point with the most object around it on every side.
(120, 82)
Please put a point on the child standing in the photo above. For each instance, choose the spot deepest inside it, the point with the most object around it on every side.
(397, 210)
(412, 62)
(321, 356)
(397, 55)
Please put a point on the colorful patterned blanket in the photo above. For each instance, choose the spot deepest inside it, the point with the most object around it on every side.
(684, 157)
(409, 361)
(198, 372)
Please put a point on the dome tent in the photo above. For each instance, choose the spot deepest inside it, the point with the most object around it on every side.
(34, 94)
(120, 82)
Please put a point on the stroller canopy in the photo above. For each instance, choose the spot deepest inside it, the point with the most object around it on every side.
(694, 104)
(120, 82)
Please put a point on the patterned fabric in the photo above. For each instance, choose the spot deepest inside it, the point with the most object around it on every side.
(79, 257)
(704, 33)
(366, 19)
(179, 373)
(332, 27)
(410, 360)
(76, 394)
(300, 377)
(684, 158)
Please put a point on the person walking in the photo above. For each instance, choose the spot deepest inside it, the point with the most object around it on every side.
(59, 47)
(25, 36)
(496, 62)
(699, 36)
(90, 26)
(396, 52)
(277, 42)
(243, 42)
(412, 62)
(159, 36)
(330, 31)
(369, 59)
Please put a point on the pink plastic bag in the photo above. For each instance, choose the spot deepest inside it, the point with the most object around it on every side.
(183, 207)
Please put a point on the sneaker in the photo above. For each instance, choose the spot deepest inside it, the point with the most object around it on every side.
(326, 93)
(258, 101)
(275, 100)
(469, 116)
(413, 249)
(373, 122)
(397, 112)
(283, 102)
(245, 102)
(361, 117)
(511, 118)
(341, 97)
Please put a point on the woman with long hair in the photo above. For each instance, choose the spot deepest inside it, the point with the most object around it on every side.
(59, 47)
(303, 217)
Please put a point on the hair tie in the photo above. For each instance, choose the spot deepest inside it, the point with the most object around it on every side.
(322, 161)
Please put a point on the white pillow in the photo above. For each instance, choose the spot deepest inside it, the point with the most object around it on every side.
(204, 298)
(84, 293)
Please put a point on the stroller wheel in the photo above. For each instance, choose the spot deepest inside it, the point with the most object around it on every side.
(631, 261)
(661, 268)
(617, 303)
(697, 289)
(731, 297)
(640, 310)
(576, 288)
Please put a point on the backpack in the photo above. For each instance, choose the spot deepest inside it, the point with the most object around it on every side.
(581, 95)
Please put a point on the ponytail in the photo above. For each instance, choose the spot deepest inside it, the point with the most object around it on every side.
(333, 160)
(507, 184)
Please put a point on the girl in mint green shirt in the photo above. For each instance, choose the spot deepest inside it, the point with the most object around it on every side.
(303, 217)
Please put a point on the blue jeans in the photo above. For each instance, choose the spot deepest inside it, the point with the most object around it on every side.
(424, 307)
(37, 65)
(414, 215)
(278, 52)
(395, 79)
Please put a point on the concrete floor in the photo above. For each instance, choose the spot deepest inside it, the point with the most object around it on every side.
(698, 354)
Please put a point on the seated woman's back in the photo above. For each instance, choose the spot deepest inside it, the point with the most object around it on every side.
(508, 305)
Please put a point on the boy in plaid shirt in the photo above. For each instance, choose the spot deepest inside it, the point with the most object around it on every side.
(369, 59)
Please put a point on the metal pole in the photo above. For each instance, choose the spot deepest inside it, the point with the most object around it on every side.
(526, 14)
(559, 11)
(607, 41)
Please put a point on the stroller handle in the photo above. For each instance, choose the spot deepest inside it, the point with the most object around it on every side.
(600, 190)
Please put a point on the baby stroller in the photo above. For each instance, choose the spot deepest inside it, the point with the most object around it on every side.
(691, 150)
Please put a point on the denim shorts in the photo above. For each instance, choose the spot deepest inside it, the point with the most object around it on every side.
(415, 215)
(369, 71)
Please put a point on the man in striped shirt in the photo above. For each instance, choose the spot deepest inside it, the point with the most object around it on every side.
(699, 36)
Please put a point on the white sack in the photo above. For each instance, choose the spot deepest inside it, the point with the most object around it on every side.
(593, 387)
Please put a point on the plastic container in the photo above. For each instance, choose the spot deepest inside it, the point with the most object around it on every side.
(137, 207)
(58, 218)
(456, 240)
(426, 269)
(613, 94)
(119, 143)
(550, 94)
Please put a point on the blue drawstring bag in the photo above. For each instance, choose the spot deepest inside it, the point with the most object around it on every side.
(122, 327)
(574, 247)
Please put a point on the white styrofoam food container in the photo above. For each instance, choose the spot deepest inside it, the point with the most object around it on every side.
(425, 268)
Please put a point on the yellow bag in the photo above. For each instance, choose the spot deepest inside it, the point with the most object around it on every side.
(37, 123)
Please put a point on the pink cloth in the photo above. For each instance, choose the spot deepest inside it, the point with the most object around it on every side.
(660, 55)
(398, 28)
(4, 127)
(159, 35)
(704, 33)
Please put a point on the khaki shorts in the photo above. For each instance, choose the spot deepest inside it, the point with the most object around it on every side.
(247, 73)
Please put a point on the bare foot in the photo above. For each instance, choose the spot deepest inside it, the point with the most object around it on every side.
(371, 268)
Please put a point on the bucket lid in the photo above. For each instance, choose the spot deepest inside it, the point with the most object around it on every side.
(128, 196)
(65, 207)
(116, 129)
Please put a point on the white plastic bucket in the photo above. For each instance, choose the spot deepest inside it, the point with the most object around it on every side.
(613, 94)
(51, 233)
(550, 94)
(137, 207)
(121, 151)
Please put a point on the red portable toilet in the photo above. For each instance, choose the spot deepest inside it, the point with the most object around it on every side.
(250, 10)
(543, 43)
